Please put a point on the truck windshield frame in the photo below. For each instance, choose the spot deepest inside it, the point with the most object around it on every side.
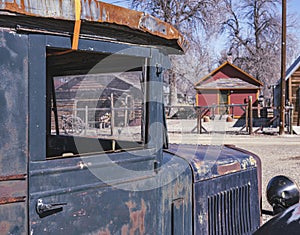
(124, 62)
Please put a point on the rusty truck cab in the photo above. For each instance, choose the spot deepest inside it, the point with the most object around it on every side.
(83, 145)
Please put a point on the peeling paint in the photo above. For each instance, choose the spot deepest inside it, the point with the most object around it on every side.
(12, 191)
(8, 200)
(82, 165)
(213, 161)
(200, 219)
(125, 229)
(13, 177)
(229, 168)
(105, 232)
(79, 213)
(137, 217)
(252, 161)
(4, 227)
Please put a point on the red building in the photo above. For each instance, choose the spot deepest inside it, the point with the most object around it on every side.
(226, 85)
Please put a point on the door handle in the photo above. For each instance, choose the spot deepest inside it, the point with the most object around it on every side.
(44, 209)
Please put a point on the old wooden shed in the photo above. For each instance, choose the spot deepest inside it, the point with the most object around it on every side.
(293, 89)
(227, 85)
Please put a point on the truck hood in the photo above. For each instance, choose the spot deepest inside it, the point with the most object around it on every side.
(209, 161)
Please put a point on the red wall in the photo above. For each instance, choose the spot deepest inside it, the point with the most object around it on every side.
(216, 76)
(239, 97)
(206, 98)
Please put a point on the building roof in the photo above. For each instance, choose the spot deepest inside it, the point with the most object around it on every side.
(88, 87)
(227, 83)
(106, 21)
(91, 82)
(293, 68)
(245, 81)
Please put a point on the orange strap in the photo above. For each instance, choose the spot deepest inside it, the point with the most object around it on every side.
(77, 25)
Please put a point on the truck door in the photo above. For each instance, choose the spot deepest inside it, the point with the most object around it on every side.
(89, 164)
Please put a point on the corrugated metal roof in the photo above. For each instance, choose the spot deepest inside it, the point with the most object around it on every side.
(93, 11)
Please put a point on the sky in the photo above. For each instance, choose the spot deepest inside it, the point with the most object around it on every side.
(294, 8)
(294, 5)
(123, 3)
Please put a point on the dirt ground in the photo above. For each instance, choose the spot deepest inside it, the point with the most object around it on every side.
(280, 155)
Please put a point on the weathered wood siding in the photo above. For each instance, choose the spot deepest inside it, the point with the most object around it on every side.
(294, 94)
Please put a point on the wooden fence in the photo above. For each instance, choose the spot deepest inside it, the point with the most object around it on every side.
(270, 114)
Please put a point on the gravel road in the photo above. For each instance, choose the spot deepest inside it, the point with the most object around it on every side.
(280, 155)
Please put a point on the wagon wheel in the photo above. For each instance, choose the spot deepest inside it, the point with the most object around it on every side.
(74, 125)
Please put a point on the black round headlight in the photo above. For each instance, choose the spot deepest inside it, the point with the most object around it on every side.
(282, 193)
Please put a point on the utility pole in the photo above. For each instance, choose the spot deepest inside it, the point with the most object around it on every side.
(283, 69)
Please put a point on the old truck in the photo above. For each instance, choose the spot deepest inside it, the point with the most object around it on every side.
(84, 147)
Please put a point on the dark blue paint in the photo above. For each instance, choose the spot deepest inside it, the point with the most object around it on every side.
(13, 131)
(287, 222)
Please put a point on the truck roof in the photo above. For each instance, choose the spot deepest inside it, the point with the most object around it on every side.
(98, 20)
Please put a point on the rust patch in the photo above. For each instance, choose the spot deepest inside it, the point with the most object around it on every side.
(79, 213)
(4, 227)
(14, 6)
(95, 11)
(12, 191)
(177, 203)
(105, 232)
(124, 229)
(13, 177)
(178, 188)
(8, 200)
(118, 15)
(228, 168)
(137, 217)
(139, 21)
(9, 189)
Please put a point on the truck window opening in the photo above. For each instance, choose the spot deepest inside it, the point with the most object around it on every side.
(95, 103)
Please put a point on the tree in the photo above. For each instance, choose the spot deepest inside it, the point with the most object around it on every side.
(254, 30)
(196, 20)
